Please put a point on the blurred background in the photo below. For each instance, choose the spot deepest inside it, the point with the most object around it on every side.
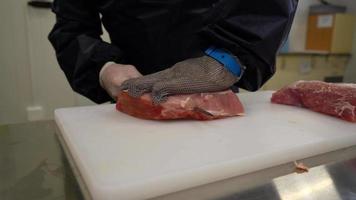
(321, 46)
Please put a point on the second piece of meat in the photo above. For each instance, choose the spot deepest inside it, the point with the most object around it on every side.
(336, 99)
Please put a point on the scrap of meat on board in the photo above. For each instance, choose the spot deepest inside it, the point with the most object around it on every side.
(202, 106)
(300, 167)
(336, 99)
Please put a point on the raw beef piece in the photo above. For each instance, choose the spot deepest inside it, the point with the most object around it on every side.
(336, 99)
(204, 106)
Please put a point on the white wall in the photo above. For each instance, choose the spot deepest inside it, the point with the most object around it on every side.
(29, 73)
(15, 79)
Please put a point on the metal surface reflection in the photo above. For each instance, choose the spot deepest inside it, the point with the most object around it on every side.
(317, 184)
(335, 181)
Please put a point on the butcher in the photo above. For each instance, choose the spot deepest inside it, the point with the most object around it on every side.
(168, 47)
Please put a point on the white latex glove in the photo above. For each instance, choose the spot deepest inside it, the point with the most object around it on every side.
(112, 75)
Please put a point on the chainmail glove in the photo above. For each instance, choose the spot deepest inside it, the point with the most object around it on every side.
(195, 75)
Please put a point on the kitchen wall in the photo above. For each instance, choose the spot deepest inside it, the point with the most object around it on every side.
(30, 79)
(297, 36)
(298, 32)
(293, 68)
(15, 74)
(350, 75)
(31, 82)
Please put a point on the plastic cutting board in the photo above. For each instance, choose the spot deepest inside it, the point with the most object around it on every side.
(122, 157)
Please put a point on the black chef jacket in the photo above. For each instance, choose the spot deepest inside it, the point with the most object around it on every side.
(155, 34)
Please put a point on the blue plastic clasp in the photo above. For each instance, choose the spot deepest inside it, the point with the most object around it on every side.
(225, 58)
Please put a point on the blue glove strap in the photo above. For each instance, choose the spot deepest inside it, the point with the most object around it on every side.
(226, 59)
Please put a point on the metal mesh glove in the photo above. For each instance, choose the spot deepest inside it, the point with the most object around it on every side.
(196, 75)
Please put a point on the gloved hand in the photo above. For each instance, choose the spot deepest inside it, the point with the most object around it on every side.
(112, 75)
(196, 75)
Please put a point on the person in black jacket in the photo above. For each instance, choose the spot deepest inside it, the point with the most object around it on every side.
(180, 46)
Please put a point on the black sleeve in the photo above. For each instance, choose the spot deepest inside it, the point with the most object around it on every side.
(79, 49)
(253, 30)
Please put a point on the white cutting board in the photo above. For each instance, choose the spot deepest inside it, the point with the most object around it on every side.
(121, 157)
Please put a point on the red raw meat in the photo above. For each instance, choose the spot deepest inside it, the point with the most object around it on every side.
(336, 99)
(203, 106)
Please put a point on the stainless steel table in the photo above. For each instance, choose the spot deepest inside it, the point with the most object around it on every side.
(33, 166)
